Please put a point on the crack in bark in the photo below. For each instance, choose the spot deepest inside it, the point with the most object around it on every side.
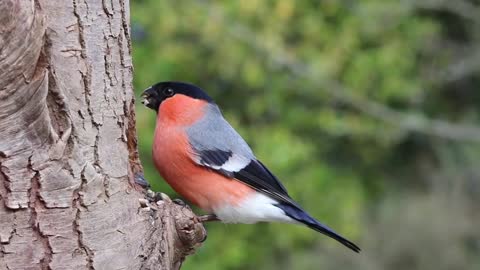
(78, 232)
(87, 79)
(122, 56)
(3, 200)
(36, 205)
(125, 26)
(14, 224)
(3, 188)
(105, 8)
(132, 143)
(6, 185)
(108, 74)
(78, 204)
(107, 68)
(106, 181)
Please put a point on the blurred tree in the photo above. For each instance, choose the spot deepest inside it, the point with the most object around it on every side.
(346, 101)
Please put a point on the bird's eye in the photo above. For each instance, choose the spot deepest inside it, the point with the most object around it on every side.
(168, 92)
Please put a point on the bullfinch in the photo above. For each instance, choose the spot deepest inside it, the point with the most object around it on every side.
(207, 162)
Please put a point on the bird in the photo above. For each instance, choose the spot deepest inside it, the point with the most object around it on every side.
(203, 158)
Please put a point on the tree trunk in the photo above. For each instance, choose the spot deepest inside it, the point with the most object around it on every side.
(68, 149)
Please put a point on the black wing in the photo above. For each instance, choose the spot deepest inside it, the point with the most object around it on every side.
(253, 173)
(257, 175)
(214, 158)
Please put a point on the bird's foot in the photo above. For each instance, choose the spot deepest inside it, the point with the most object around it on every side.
(154, 197)
(178, 201)
(181, 203)
(141, 181)
(207, 218)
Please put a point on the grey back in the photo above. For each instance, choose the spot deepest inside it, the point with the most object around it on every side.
(213, 132)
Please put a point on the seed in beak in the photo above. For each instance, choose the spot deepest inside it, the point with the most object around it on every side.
(145, 100)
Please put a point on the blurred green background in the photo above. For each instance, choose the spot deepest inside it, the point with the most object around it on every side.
(368, 111)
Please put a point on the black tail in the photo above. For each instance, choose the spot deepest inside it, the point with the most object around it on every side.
(301, 216)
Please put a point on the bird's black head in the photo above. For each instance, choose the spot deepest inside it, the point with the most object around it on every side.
(153, 96)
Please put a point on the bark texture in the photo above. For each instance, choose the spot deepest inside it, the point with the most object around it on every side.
(68, 151)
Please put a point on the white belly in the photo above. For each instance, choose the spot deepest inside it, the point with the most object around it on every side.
(255, 208)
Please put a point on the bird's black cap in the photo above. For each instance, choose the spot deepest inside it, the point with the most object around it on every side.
(157, 93)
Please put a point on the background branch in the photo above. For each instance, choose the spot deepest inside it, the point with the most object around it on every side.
(280, 58)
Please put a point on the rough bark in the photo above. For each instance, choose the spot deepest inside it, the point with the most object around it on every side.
(68, 150)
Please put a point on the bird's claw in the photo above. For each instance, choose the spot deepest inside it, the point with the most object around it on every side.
(160, 197)
(140, 180)
(178, 201)
(154, 197)
(207, 218)
(164, 197)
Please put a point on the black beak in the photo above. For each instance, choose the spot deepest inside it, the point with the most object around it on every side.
(148, 98)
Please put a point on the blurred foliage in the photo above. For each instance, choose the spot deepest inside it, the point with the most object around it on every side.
(337, 98)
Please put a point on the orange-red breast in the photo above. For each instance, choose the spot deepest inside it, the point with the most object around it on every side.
(207, 162)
